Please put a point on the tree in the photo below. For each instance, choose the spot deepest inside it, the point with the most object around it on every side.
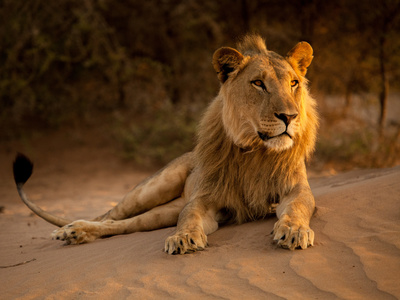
(387, 17)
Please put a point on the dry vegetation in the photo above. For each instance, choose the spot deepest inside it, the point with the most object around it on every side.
(143, 68)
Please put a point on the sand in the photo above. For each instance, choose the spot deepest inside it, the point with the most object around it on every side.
(356, 253)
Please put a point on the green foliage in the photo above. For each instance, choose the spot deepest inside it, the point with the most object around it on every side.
(71, 62)
(62, 60)
(345, 147)
(157, 139)
(362, 147)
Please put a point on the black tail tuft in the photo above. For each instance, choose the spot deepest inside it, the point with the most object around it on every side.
(22, 168)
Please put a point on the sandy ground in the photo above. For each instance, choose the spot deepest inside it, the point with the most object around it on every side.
(356, 253)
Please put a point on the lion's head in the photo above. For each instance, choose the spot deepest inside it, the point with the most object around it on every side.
(265, 96)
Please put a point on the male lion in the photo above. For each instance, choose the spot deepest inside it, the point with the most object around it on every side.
(249, 160)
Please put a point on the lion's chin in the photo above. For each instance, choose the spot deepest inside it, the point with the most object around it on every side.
(279, 143)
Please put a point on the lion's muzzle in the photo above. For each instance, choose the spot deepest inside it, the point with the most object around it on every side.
(265, 137)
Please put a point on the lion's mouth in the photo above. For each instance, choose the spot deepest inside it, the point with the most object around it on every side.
(266, 137)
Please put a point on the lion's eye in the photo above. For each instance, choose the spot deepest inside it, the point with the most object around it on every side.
(294, 83)
(259, 84)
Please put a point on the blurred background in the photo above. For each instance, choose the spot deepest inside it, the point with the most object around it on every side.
(137, 75)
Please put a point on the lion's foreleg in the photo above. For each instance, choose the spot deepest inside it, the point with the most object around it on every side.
(292, 230)
(195, 222)
(81, 231)
(162, 187)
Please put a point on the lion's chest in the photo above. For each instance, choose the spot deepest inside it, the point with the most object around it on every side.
(256, 193)
(262, 200)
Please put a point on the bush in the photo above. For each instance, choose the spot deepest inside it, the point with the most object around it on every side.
(158, 138)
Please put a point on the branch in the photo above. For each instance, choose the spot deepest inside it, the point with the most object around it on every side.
(19, 264)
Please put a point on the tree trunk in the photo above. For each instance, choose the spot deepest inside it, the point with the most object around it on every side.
(245, 16)
(383, 95)
(348, 98)
(121, 89)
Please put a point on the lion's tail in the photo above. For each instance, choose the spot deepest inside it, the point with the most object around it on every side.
(22, 168)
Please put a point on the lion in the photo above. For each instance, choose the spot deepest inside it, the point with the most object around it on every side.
(248, 163)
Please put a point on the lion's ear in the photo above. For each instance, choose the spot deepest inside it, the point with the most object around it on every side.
(300, 57)
(226, 60)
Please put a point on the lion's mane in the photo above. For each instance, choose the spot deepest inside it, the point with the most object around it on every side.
(232, 173)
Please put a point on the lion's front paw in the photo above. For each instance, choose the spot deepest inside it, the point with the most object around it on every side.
(77, 232)
(291, 235)
(182, 243)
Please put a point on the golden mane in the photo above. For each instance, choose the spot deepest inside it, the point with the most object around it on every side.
(252, 44)
(256, 170)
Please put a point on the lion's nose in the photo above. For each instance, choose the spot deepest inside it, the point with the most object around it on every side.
(286, 118)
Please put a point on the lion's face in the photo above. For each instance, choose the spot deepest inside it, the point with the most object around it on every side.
(263, 103)
(265, 97)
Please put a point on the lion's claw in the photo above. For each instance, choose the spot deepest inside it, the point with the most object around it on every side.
(185, 243)
(78, 232)
(291, 236)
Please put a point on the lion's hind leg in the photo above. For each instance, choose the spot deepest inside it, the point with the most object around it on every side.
(164, 186)
(81, 231)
